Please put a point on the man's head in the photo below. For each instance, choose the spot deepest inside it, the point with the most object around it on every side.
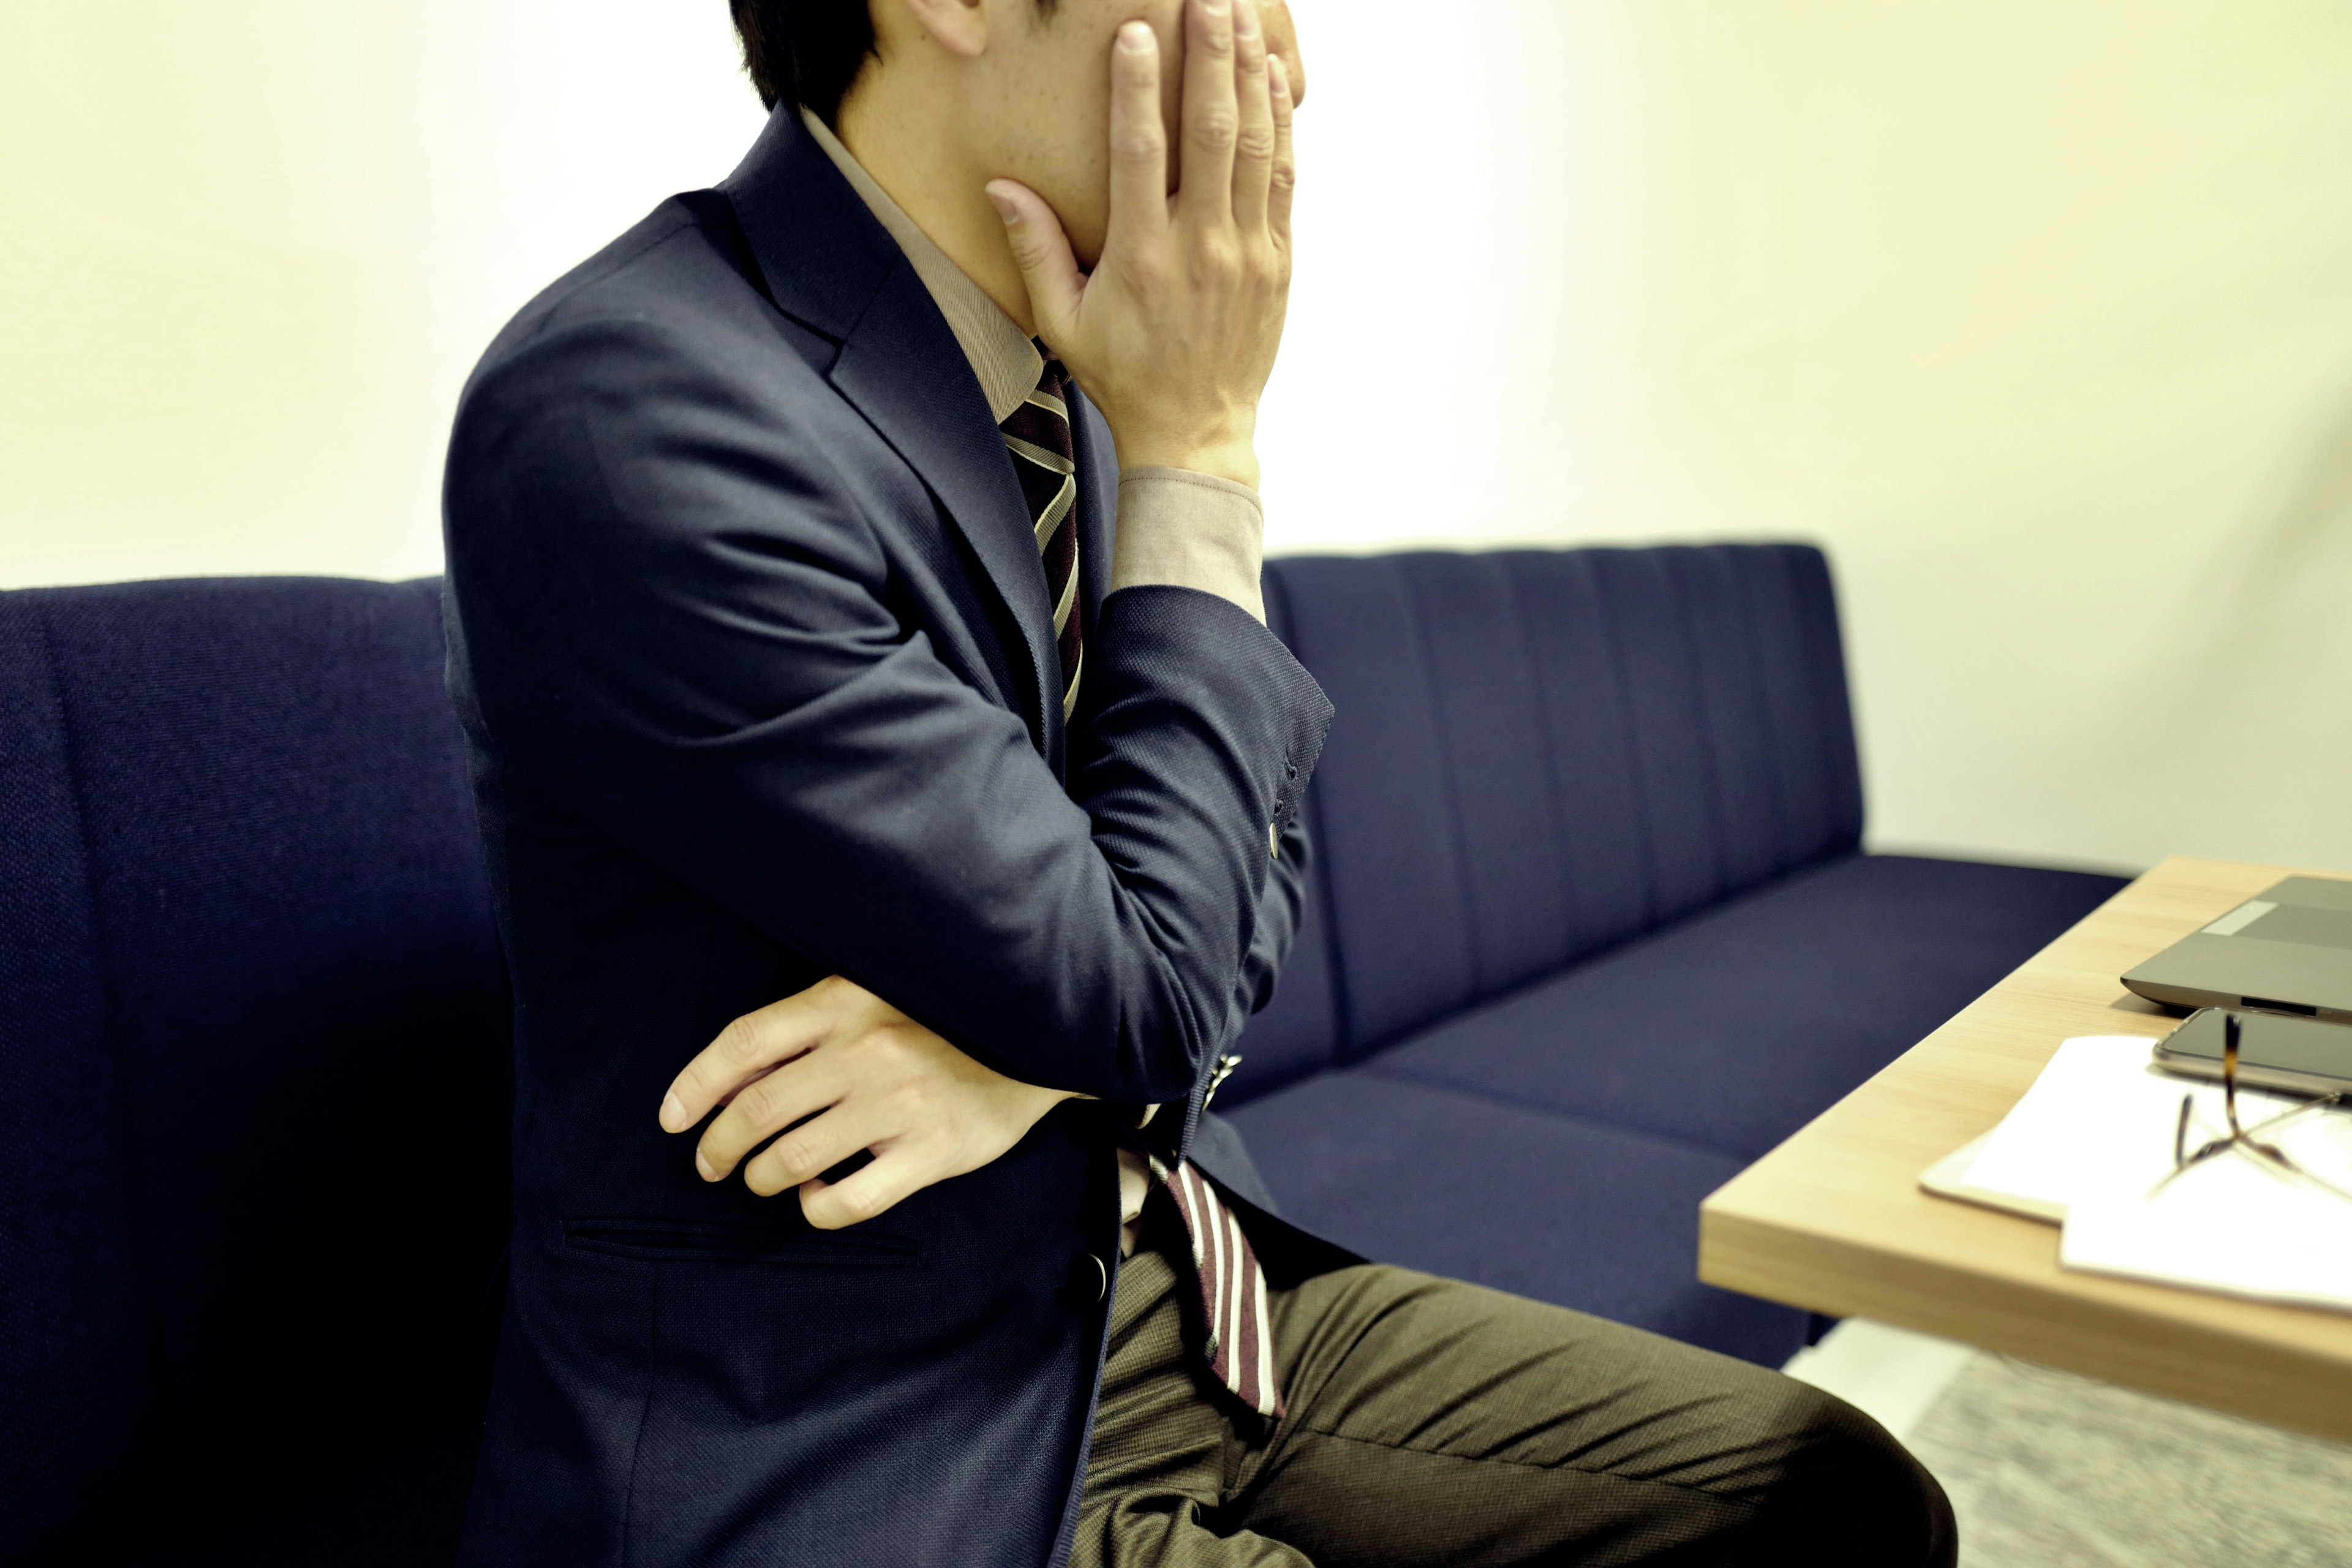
(806, 51)
(1020, 88)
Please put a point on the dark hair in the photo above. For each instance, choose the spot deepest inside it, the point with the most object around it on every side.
(809, 51)
(805, 50)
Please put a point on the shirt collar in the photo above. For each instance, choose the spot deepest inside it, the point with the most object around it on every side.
(1002, 355)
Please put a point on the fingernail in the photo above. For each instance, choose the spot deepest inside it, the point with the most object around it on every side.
(673, 1113)
(703, 1165)
(1004, 209)
(1135, 38)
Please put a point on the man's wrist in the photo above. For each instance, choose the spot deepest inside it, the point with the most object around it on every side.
(1238, 464)
(1235, 461)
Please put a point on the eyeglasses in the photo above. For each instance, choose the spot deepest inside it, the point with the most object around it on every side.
(2244, 1139)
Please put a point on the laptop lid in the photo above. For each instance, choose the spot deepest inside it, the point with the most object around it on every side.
(2288, 951)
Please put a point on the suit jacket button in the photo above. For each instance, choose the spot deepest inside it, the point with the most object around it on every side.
(1089, 1280)
(1224, 1069)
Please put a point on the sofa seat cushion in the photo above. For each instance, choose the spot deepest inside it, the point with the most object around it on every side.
(1554, 1207)
(1732, 1029)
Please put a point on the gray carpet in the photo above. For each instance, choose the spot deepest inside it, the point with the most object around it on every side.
(2049, 1470)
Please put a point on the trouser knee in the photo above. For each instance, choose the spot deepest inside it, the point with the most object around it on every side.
(1852, 1497)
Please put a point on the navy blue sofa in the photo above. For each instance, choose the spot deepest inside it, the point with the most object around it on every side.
(1590, 928)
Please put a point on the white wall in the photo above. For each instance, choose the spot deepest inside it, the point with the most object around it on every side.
(2039, 316)
(249, 251)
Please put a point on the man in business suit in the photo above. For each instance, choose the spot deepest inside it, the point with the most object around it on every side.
(890, 788)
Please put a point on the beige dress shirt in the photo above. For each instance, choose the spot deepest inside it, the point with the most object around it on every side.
(1175, 527)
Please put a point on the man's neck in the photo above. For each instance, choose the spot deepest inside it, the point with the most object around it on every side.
(911, 157)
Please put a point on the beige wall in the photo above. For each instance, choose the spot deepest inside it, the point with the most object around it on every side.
(249, 250)
(2039, 316)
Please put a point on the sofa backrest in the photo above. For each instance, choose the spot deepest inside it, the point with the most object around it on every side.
(253, 1047)
(253, 1022)
(1539, 754)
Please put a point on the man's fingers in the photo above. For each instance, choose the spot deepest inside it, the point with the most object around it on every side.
(810, 1149)
(1283, 178)
(1138, 140)
(792, 1092)
(875, 1188)
(1043, 252)
(744, 1050)
(1253, 141)
(1211, 113)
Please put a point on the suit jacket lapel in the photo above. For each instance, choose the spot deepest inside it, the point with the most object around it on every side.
(1097, 502)
(830, 265)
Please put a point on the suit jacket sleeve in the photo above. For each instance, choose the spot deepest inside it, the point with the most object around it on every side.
(1279, 910)
(679, 623)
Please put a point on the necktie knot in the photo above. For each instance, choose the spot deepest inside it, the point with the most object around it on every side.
(1044, 459)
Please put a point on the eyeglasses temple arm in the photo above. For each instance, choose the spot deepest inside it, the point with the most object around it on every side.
(2229, 1071)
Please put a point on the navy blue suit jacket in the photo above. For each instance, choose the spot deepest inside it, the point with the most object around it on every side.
(751, 639)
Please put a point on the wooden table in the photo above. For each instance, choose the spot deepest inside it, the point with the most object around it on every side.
(1833, 1219)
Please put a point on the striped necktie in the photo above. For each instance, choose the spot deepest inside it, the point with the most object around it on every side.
(1038, 436)
(1239, 1345)
(1240, 1338)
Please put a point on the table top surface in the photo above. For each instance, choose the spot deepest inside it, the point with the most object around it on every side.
(1834, 1219)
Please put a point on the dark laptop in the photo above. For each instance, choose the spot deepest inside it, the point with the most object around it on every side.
(2288, 951)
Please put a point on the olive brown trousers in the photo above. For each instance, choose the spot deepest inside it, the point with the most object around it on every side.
(1436, 1425)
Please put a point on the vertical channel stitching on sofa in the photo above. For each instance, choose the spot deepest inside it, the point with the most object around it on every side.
(1770, 604)
(1761, 569)
(1755, 779)
(1452, 690)
(1515, 570)
(155, 1382)
(1536, 924)
(1684, 564)
(1807, 709)
(1703, 588)
(1620, 680)
(1826, 642)
(1670, 709)
(57, 1232)
(1284, 616)
(1659, 697)
(1410, 572)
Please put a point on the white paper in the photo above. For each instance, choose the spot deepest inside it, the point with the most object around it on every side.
(2231, 1224)
(2100, 1118)
(2095, 1134)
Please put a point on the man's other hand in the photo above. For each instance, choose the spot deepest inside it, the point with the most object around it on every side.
(836, 1070)
(1173, 333)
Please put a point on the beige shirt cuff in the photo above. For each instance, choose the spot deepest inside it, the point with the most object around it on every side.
(1182, 530)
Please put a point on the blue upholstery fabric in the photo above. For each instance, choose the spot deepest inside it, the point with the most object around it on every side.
(1555, 1207)
(1587, 929)
(255, 1072)
(1738, 1026)
(1558, 1143)
(74, 1354)
(1543, 753)
(1585, 932)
